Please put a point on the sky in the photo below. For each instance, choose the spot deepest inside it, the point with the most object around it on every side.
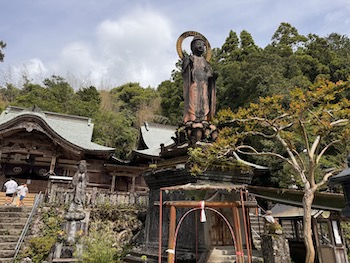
(107, 43)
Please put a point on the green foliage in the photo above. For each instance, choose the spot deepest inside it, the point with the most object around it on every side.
(40, 248)
(88, 102)
(172, 101)
(40, 245)
(131, 95)
(247, 72)
(214, 157)
(115, 130)
(308, 130)
(9, 93)
(55, 96)
(99, 245)
(110, 232)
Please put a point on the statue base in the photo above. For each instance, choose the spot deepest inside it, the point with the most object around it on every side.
(75, 212)
(193, 132)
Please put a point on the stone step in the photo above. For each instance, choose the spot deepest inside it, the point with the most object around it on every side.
(8, 245)
(228, 254)
(8, 238)
(66, 260)
(4, 253)
(6, 260)
(28, 200)
(130, 258)
(21, 220)
(14, 215)
(221, 259)
(135, 255)
(10, 232)
(13, 208)
(13, 225)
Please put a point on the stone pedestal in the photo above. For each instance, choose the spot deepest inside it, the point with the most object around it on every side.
(71, 248)
(275, 249)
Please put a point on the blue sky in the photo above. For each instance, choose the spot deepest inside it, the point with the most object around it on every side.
(107, 43)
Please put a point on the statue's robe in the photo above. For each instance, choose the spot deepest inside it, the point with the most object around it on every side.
(199, 90)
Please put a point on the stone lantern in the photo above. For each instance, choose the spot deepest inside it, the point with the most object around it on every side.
(343, 178)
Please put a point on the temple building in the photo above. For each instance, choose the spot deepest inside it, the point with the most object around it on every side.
(43, 149)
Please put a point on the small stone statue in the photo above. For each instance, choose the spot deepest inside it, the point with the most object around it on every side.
(79, 182)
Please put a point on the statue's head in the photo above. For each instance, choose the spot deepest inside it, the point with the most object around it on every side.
(197, 45)
(82, 167)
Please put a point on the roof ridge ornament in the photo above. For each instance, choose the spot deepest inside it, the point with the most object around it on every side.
(35, 108)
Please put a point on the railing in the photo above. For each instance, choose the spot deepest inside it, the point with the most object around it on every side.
(37, 201)
(95, 197)
(256, 233)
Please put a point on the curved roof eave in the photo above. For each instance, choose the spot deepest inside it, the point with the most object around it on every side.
(58, 129)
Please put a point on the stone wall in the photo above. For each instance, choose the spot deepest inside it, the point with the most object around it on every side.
(275, 249)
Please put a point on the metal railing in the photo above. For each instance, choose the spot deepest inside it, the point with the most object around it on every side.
(37, 201)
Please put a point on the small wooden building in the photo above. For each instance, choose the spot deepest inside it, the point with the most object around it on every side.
(326, 222)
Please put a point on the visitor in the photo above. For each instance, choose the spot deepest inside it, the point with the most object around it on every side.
(22, 192)
(11, 188)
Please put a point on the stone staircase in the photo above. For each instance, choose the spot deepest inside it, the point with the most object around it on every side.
(12, 221)
(257, 228)
(28, 200)
(227, 254)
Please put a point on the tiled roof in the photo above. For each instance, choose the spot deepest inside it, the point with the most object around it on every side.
(74, 129)
(153, 136)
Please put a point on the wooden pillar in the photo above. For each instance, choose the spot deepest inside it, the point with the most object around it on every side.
(172, 227)
(238, 234)
(51, 172)
(113, 182)
(133, 184)
(53, 164)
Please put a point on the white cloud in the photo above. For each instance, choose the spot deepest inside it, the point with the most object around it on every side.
(118, 41)
(133, 48)
(137, 47)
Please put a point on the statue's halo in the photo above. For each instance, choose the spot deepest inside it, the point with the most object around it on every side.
(189, 34)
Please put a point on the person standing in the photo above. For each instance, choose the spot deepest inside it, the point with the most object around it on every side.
(11, 188)
(22, 193)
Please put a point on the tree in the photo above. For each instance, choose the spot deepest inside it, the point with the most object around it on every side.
(115, 130)
(56, 96)
(305, 130)
(87, 102)
(172, 104)
(2, 46)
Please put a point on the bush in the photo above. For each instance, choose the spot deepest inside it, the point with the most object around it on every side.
(99, 245)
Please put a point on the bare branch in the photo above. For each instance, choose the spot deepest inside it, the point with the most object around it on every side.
(340, 122)
(326, 177)
(267, 136)
(325, 149)
(280, 117)
(320, 121)
(253, 151)
(286, 126)
(303, 178)
(293, 161)
(301, 161)
(314, 146)
(306, 139)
